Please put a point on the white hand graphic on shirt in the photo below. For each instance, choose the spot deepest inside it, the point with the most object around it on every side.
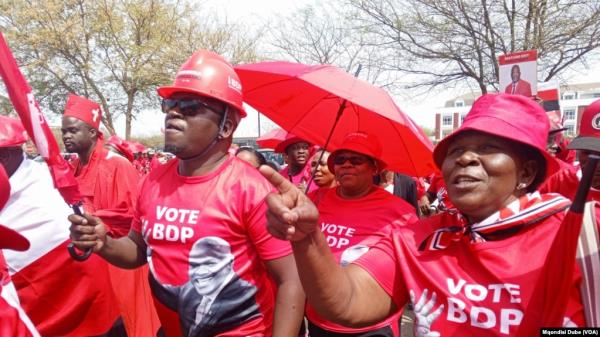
(423, 314)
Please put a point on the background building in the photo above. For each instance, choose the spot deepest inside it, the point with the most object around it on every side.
(574, 98)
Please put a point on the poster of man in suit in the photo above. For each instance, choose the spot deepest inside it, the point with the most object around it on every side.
(518, 73)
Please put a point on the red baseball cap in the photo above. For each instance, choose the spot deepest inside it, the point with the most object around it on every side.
(362, 143)
(9, 239)
(289, 140)
(589, 130)
(12, 132)
(513, 117)
(84, 109)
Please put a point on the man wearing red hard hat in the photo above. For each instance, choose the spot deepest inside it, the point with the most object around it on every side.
(205, 195)
(108, 186)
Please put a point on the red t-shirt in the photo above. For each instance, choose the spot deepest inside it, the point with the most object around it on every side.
(565, 182)
(207, 244)
(438, 188)
(509, 287)
(351, 226)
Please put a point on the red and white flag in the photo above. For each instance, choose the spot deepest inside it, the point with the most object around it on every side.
(34, 122)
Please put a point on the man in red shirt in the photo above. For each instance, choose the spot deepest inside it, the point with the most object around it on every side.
(108, 186)
(200, 220)
(297, 152)
(517, 86)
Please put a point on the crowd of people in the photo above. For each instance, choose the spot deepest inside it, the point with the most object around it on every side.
(210, 239)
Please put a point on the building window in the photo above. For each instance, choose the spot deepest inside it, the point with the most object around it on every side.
(569, 114)
(569, 96)
(570, 131)
(447, 120)
(462, 119)
(459, 103)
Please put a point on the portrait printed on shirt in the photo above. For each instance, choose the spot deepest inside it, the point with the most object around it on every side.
(215, 299)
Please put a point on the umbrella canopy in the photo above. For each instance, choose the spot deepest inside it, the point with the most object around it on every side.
(271, 139)
(305, 101)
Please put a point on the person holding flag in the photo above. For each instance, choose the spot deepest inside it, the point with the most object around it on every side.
(464, 272)
(108, 186)
(55, 290)
(205, 200)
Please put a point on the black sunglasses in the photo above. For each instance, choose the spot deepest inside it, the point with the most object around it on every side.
(354, 160)
(187, 107)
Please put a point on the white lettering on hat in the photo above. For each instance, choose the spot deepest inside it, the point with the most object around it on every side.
(190, 73)
(596, 121)
(95, 114)
(234, 84)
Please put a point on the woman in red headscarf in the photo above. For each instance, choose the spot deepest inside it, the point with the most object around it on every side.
(503, 265)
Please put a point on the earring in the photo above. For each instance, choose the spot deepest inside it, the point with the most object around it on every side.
(521, 186)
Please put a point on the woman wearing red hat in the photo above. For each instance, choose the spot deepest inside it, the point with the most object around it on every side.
(353, 216)
(504, 265)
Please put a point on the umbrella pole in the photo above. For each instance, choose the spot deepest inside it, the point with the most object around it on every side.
(337, 119)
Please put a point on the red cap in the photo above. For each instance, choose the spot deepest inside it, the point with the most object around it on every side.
(362, 143)
(289, 140)
(9, 239)
(12, 132)
(514, 117)
(589, 130)
(84, 110)
(122, 146)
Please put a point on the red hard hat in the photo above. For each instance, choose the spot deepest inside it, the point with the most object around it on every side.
(208, 74)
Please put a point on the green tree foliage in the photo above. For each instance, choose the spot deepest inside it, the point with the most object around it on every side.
(115, 52)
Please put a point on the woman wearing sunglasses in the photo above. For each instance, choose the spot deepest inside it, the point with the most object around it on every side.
(502, 265)
(353, 216)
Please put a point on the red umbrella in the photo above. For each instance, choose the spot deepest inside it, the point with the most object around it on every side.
(271, 139)
(314, 101)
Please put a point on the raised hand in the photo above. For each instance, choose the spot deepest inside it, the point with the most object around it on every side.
(291, 215)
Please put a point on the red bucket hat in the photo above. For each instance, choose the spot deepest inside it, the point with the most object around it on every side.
(362, 143)
(589, 130)
(84, 109)
(12, 132)
(9, 239)
(289, 140)
(513, 117)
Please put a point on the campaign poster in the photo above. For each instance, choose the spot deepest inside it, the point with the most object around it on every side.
(518, 73)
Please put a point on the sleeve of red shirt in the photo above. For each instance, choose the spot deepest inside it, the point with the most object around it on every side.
(383, 265)
(117, 196)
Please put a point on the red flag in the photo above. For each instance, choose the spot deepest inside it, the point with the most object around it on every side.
(34, 122)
